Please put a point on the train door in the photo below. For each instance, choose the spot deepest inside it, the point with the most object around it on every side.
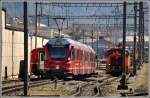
(41, 60)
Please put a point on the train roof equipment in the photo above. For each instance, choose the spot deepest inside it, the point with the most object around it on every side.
(67, 41)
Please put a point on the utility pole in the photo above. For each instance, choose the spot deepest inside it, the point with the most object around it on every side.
(92, 38)
(25, 49)
(135, 27)
(83, 36)
(123, 80)
(1, 47)
(140, 35)
(12, 54)
(36, 25)
(142, 31)
(97, 48)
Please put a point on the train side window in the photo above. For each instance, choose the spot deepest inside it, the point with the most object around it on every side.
(42, 55)
(79, 55)
(86, 56)
(91, 57)
(83, 55)
(76, 55)
(46, 56)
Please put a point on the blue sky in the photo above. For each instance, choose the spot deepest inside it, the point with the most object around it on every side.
(15, 9)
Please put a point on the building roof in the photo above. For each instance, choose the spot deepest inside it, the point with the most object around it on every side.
(131, 38)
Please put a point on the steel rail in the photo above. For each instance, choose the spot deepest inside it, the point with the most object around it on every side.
(8, 89)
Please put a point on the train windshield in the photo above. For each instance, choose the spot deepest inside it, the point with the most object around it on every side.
(57, 52)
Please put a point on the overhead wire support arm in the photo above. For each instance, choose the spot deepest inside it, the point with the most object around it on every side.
(134, 46)
(59, 26)
(44, 16)
(36, 6)
(82, 4)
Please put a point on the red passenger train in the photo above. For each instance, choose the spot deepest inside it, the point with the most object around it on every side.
(115, 61)
(63, 57)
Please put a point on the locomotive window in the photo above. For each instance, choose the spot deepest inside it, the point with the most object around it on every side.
(42, 55)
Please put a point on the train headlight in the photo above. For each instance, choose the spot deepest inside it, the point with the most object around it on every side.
(57, 67)
(69, 59)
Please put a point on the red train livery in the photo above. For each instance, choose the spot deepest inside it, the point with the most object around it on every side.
(62, 57)
(115, 61)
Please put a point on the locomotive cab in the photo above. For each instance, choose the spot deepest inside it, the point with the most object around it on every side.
(115, 61)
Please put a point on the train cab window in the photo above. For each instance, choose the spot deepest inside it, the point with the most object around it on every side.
(58, 52)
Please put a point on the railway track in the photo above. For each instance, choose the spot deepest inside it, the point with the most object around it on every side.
(79, 86)
(107, 81)
(95, 86)
(18, 87)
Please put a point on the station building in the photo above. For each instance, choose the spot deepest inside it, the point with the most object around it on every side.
(12, 46)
